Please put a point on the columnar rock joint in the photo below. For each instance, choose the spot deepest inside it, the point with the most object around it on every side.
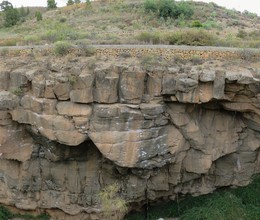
(166, 129)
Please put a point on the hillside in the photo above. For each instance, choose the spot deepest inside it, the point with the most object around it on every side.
(129, 22)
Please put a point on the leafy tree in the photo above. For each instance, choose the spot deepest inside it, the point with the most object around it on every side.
(11, 17)
(6, 5)
(11, 14)
(77, 1)
(51, 4)
(168, 8)
(70, 2)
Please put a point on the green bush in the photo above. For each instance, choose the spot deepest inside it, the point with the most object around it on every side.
(192, 37)
(59, 32)
(196, 24)
(241, 34)
(51, 4)
(38, 15)
(154, 38)
(168, 8)
(62, 48)
(11, 17)
(226, 204)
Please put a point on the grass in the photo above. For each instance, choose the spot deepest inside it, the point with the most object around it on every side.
(225, 204)
(128, 22)
(5, 214)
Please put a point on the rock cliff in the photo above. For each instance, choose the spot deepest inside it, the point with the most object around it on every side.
(70, 126)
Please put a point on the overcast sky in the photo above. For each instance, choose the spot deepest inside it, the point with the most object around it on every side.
(240, 5)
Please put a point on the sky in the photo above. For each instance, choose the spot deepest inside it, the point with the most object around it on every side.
(240, 5)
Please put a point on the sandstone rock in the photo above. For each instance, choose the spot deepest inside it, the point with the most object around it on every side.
(18, 79)
(243, 76)
(62, 90)
(73, 109)
(154, 84)
(207, 76)
(205, 92)
(38, 86)
(5, 118)
(82, 89)
(197, 162)
(219, 85)
(8, 100)
(4, 80)
(106, 87)
(131, 86)
(158, 133)
(181, 82)
(39, 105)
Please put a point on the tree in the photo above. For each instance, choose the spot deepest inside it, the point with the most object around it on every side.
(11, 17)
(38, 15)
(51, 4)
(70, 2)
(6, 5)
(11, 14)
(77, 1)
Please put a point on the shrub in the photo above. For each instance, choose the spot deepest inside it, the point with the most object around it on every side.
(154, 38)
(59, 32)
(196, 24)
(11, 17)
(192, 37)
(112, 203)
(38, 15)
(150, 6)
(51, 4)
(241, 34)
(70, 2)
(62, 48)
(168, 8)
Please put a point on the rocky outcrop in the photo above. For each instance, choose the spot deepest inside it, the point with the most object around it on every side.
(68, 129)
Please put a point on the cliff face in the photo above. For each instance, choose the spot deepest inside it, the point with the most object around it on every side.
(68, 128)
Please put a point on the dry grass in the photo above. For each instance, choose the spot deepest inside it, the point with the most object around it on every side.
(122, 22)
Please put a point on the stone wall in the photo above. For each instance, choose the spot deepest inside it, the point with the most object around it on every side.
(166, 51)
(69, 127)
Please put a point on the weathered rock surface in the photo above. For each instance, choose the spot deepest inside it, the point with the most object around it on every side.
(68, 130)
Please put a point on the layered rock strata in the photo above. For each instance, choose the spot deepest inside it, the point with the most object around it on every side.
(68, 128)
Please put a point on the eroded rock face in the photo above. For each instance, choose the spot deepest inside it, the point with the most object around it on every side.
(67, 130)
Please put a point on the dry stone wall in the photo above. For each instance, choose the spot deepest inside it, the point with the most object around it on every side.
(68, 128)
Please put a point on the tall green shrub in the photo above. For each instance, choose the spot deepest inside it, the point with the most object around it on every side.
(70, 2)
(168, 8)
(38, 15)
(51, 4)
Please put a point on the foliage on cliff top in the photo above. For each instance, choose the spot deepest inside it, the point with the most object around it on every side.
(240, 203)
(121, 22)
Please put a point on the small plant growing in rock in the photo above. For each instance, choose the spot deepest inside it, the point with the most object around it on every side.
(73, 79)
(17, 91)
(113, 206)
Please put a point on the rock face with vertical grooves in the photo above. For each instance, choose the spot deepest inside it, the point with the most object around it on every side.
(68, 129)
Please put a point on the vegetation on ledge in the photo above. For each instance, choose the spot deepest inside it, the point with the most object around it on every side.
(239, 203)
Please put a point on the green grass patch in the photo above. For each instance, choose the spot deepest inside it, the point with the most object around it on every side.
(226, 204)
(6, 214)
